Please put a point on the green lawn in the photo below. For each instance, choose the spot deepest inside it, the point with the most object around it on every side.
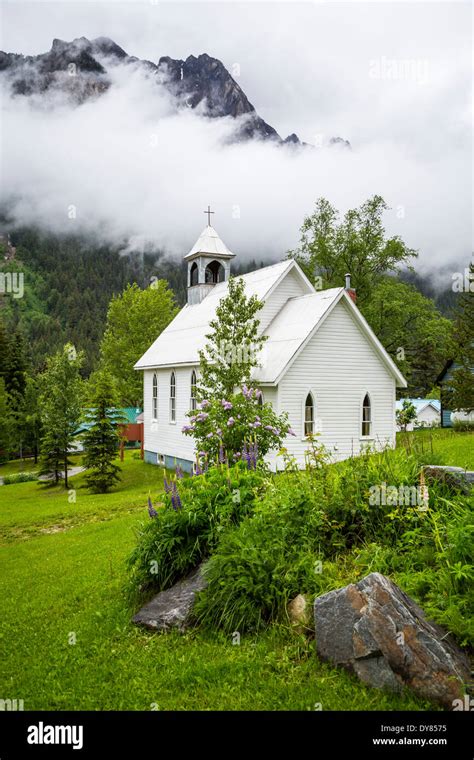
(62, 581)
(441, 446)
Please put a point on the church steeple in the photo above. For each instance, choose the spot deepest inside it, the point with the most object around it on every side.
(208, 263)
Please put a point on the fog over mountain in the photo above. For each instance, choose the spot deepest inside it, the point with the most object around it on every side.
(134, 146)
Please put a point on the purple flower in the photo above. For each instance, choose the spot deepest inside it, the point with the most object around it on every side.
(187, 428)
(258, 393)
(193, 419)
(247, 392)
(257, 424)
(151, 510)
(209, 435)
(237, 455)
(291, 431)
(219, 433)
(269, 427)
(175, 498)
(201, 417)
(230, 422)
(201, 453)
(166, 485)
(227, 405)
(221, 454)
(205, 403)
(179, 472)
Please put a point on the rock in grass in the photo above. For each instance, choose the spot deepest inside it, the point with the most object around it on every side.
(375, 630)
(454, 477)
(299, 613)
(172, 608)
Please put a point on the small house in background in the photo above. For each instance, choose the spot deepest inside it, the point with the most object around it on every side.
(447, 415)
(428, 412)
(133, 430)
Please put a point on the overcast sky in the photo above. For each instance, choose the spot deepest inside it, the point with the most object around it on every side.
(393, 78)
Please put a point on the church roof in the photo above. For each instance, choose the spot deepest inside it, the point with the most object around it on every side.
(288, 332)
(209, 243)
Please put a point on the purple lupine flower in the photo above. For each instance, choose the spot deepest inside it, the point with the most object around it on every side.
(237, 455)
(151, 510)
(197, 469)
(175, 498)
(221, 454)
(166, 484)
(179, 472)
(230, 422)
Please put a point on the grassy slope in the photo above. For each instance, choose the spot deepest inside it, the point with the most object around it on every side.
(67, 577)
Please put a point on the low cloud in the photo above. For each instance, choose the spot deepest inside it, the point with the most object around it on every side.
(132, 168)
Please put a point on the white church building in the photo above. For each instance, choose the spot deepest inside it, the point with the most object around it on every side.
(321, 361)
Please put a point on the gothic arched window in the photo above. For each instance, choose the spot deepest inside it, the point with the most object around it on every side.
(173, 397)
(309, 415)
(366, 416)
(154, 400)
(193, 391)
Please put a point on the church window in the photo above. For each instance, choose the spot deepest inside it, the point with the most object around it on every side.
(366, 416)
(154, 398)
(173, 397)
(309, 415)
(193, 391)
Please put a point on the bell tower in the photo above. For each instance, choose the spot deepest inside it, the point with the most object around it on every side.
(208, 263)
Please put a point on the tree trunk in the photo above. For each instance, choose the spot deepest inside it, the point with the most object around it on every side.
(65, 471)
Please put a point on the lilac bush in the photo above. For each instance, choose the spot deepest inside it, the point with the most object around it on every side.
(235, 428)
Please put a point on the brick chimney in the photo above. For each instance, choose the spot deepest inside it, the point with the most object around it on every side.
(350, 291)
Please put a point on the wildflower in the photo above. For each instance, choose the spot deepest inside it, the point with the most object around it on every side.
(221, 454)
(151, 510)
(227, 405)
(175, 498)
(230, 422)
(166, 484)
(179, 472)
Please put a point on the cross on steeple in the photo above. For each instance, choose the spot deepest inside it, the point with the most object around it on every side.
(209, 212)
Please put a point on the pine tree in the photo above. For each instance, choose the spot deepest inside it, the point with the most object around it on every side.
(234, 344)
(5, 423)
(102, 439)
(460, 391)
(61, 407)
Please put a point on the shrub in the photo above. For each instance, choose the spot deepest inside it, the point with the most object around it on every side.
(186, 527)
(225, 428)
(20, 477)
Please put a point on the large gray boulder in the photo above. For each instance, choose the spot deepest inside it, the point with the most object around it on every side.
(172, 608)
(375, 630)
(455, 477)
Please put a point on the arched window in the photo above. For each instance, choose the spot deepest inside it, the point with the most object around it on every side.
(214, 272)
(366, 416)
(194, 275)
(193, 391)
(154, 398)
(309, 415)
(173, 397)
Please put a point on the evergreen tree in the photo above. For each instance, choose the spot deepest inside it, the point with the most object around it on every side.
(234, 344)
(6, 423)
(61, 407)
(102, 438)
(30, 416)
(460, 391)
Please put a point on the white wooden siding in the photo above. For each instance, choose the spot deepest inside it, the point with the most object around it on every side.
(290, 287)
(162, 436)
(339, 366)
